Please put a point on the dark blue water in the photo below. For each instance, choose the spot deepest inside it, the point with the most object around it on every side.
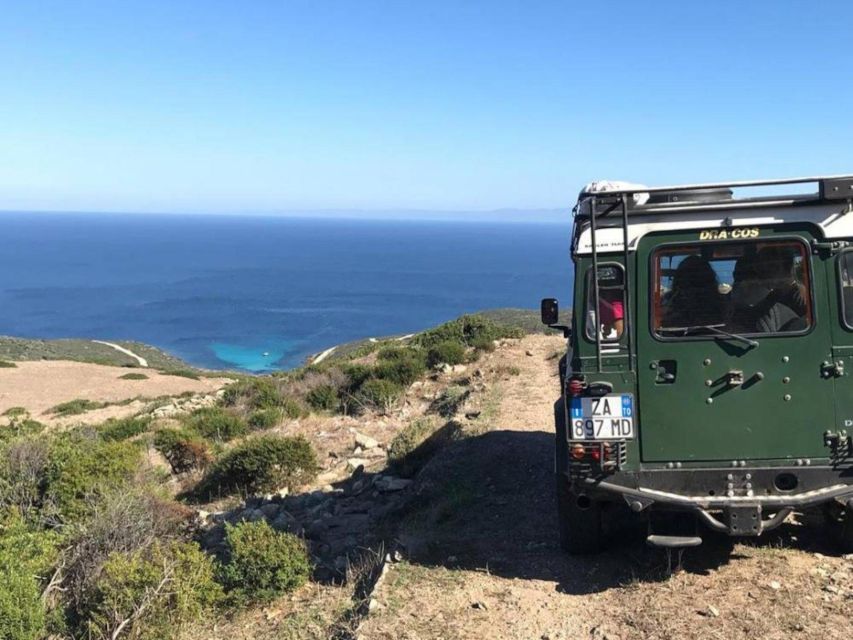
(223, 291)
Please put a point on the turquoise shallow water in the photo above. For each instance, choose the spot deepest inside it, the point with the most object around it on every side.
(256, 358)
(220, 291)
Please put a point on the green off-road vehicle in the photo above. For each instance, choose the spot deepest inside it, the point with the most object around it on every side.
(708, 377)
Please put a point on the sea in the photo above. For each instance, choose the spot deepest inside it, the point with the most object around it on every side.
(263, 293)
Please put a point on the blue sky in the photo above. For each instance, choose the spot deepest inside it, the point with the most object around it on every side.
(268, 106)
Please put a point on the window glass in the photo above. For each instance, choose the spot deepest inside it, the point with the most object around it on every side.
(741, 287)
(610, 320)
(846, 259)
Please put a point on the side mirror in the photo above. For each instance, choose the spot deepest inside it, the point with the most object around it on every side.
(549, 309)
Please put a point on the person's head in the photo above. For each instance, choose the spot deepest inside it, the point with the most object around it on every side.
(775, 265)
(749, 288)
(694, 276)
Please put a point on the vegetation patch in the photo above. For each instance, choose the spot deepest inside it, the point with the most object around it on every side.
(124, 428)
(182, 373)
(133, 376)
(5, 364)
(262, 563)
(261, 465)
(418, 441)
(184, 450)
(448, 403)
(447, 352)
(265, 418)
(152, 593)
(378, 394)
(215, 423)
(76, 407)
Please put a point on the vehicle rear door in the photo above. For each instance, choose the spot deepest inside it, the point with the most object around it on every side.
(704, 396)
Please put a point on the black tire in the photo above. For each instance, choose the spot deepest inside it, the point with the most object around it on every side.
(580, 526)
(839, 521)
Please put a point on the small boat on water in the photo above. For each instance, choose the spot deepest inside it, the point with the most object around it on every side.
(265, 354)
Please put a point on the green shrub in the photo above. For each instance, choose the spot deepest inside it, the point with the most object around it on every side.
(378, 394)
(76, 407)
(26, 560)
(16, 412)
(82, 467)
(356, 374)
(262, 563)
(20, 427)
(292, 408)
(125, 428)
(184, 450)
(262, 465)
(447, 352)
(133, 376)
(256, 393)
(5, 364)
(400, 365)
(323, 398)
(448, 403)
(469, 330)
(264, 418)
(418, 441)
(482, 343)
(182, 373)
(23, 466)
(217, 424)
(174, 581)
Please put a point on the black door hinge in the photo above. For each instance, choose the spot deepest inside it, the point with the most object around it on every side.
(829, 247)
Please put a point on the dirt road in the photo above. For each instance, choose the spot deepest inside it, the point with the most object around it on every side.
(484, 561)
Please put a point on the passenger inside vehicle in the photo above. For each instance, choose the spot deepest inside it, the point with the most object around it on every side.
(695, 298)
(766, 297)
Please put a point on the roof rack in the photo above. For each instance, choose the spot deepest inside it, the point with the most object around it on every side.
(713, 195)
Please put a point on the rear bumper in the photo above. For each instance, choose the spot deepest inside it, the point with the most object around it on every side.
(722, 501)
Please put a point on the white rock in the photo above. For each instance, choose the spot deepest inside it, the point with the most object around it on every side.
(365, 442)
(355, 463)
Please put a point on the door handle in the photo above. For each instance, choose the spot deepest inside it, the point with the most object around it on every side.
(666, 372)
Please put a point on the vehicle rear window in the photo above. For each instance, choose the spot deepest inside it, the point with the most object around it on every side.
(610, 320)
(752, 287)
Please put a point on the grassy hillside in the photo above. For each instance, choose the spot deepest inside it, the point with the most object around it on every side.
(80, 350)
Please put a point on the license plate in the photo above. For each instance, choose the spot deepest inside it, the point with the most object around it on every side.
(609, 417)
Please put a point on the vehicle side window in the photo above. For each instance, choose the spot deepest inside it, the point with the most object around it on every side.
(610, 319)
(751, 287)
(846, 276)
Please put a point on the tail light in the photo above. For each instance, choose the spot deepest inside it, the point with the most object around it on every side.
(576, 387)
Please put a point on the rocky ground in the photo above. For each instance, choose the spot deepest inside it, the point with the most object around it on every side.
(463, 544)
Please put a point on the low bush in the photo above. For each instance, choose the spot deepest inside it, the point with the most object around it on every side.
(76, 407)
(293, 408)
(469, 330)
(418, 441)
(124, 428)
(448, 403)
(5, 364)
(153, 593)
(16, 412)
(400, 365)
(323, 398)
(26, 560)
(122, 522)
(449, 352)
(215, 423)
(184, 450)
(378, 394)
(182, 373)
(82, 466)
(20, 427)
(261, 465)
(264, 418)
(262, 563)
(23, 465)
(133, 376)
